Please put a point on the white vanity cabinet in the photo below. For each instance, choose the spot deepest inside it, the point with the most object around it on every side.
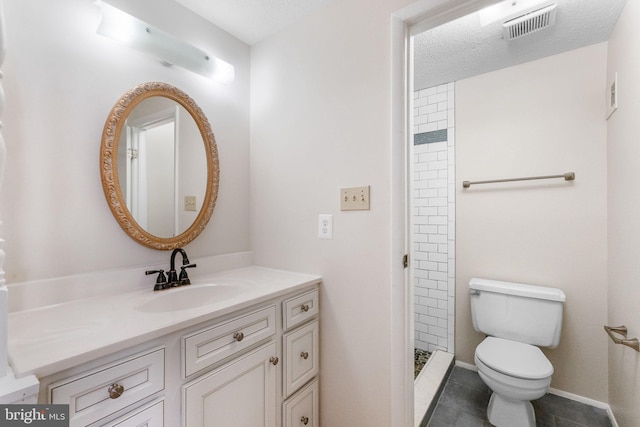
(253, 366)
(243, 391)
(151, 415)
(240, 393)
(301, 351)
(302, 408)
(103, 391)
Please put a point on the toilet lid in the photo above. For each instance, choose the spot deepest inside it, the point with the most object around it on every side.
(514, 358)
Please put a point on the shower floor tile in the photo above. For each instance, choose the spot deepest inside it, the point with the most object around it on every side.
(420, 359)
(465, 398)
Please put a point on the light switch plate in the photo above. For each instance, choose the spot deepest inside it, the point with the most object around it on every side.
(355, 199)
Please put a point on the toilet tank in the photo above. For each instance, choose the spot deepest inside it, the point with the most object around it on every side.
(525, 313)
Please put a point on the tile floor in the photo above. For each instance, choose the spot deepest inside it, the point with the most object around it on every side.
(464, 400)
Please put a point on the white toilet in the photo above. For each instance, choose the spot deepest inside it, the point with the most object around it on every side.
(516, 319)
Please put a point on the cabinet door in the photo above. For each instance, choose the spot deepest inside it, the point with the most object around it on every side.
(302, 408)
(240, 393)
(301, 357)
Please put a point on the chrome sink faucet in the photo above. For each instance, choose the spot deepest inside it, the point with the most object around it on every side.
(173, 279)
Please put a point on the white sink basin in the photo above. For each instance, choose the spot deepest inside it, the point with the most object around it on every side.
(187, 297)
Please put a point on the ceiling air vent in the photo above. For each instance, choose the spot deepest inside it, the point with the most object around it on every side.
(530, 22)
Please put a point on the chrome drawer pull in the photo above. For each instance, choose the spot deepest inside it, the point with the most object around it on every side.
(304, 307)
(238, 336)
(115, 391)
(304, 355)
(274, 360)
(304, 420)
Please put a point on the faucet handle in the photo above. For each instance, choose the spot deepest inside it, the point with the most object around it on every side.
(161, 281)
(184, 278)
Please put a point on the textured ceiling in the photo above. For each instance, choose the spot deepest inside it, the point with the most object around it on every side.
(252, 20)
(457, 50)
(463, 48)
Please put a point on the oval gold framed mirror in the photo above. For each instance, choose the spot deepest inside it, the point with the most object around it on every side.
(159, 166)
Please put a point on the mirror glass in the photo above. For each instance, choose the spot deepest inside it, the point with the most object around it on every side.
(159, 166)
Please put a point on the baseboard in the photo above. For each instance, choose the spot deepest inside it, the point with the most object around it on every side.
(586, 401)
(468, 366)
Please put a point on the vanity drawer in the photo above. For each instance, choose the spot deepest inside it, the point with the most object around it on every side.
(151, 415)
(94, 395)
(210, 345)
(298, 310)
(302, 408)
(301, 356)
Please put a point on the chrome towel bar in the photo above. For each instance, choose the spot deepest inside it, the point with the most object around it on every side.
(622, 330)
(569, 176)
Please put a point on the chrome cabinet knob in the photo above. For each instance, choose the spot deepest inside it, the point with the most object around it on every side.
(115, 391)
(274, 360)
(238, 336)
(304, 307)
(304, 355)
(304, 420)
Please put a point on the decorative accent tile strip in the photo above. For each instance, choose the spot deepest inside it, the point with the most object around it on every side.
(430, 137)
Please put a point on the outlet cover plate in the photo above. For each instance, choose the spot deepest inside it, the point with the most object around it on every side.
(355, 199)
(325, 226)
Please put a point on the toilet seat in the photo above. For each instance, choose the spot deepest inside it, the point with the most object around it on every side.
(514, 359)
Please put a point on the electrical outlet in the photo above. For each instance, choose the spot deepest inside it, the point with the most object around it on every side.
(354, 199)
(190, 203)
(325, 226)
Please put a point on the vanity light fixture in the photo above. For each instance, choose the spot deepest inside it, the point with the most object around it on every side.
(129, 30)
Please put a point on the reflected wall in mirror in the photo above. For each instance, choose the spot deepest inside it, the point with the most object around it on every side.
(159, 166)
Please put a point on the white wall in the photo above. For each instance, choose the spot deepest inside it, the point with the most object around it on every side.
(624, 208)
(321, 120)
(61, 80)
(540, 118)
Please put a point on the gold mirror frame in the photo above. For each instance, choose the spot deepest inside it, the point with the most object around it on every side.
(109, 165)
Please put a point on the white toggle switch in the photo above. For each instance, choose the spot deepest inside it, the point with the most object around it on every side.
(325, 226)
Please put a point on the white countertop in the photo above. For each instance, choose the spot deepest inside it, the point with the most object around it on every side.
(49, 339)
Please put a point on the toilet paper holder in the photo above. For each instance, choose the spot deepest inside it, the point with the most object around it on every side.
(622, 330)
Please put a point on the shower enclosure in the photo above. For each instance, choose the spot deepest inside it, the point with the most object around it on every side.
(433, 219)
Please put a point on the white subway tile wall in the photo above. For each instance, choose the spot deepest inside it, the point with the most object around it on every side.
(433, 256)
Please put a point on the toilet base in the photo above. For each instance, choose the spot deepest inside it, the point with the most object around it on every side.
(503, 412)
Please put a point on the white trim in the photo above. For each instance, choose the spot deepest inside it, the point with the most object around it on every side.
(467, 366)
(578, 398)
(427, 14)
(586, 401)
(4, 331)
(402, 390)
(612, 417)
